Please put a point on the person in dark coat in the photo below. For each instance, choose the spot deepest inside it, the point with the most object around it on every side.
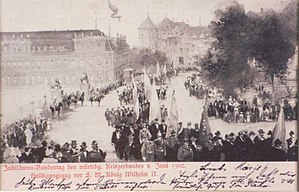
(228, 147)
(26, 156)
(250, 154)
(277, 153)
(292, 143)
(41, 152)
(208, 147)
(84, 154)
(185, 133)
(268, 145)
(197, 149)
(163, 128)
(240, 147)
(217, 151)
(185, 152)
(160, 149)
(172, 144)
(154, 130)
(14, 138)
(259, 141)
(96, 154)
(195, 132)
(116, 142)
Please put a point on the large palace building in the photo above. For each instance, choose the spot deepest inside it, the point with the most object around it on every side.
(41, 57)
(180, 42)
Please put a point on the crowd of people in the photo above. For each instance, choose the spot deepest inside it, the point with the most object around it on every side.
(234, 110)
(150, 142)
(240, 110)
(135, 138)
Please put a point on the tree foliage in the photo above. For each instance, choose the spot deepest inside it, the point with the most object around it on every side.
(240, 37)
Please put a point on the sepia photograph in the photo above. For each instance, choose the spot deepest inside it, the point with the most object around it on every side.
(131, 81)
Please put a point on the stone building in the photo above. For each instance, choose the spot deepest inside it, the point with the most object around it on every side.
(38, 58)
(181, 42)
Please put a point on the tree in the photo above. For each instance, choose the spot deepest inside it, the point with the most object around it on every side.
(147, 58)
(227, 66)
(273, 46)
(268, 36)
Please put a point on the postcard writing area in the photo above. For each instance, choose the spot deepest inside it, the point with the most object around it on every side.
(215, 176)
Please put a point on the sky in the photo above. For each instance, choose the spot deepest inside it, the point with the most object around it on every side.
(39, 15)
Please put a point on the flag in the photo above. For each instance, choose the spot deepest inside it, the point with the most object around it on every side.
(158, 69)
(204, 128)
(154, 105)
(173, 116)
(114, 9)
(135, 92)
(136, 108)
(147, 85)
(279, 131)
(164, 69)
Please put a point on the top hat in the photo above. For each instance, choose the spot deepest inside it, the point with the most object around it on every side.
(180, 123)
(292, 133)
(156, 119)
(217, 133)
(189, 123)
(231, 134)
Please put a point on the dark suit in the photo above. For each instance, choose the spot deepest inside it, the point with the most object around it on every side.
(26, 158)
(277, 154)
(163, 130)
(84, 156)
(154, 130)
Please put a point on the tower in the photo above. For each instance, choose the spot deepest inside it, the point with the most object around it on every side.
(147, 34)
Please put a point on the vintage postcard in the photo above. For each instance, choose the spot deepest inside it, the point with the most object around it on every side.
(148, 95)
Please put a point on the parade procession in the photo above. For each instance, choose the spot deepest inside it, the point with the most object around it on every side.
(187, 93)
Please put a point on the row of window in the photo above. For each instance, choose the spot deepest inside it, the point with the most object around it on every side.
(57, 63)
(35, 80)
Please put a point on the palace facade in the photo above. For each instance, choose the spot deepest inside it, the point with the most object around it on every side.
(41, 57)
(181, 43)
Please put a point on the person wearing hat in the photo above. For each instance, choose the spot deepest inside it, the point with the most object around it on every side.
(163, 112)
(148, 150)
(26, 156)
(66, 153)
(84, 154)
(96, 154)
(172, 143)
(185, 152)
(195, 132)
(292, 144)
(197, 149)
(144, 133)
(163, 128)
(41, 152)
(259, 141)
(185, 133)
(228, 147)
(277, 153)
(116, 142)
(132, 149)
(250, 154)
(107, 116)
(240, 147)
(154, 129)
(74, 151)
(268, 145)
(160, 148)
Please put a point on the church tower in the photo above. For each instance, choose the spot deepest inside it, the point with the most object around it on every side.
(147, 34)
